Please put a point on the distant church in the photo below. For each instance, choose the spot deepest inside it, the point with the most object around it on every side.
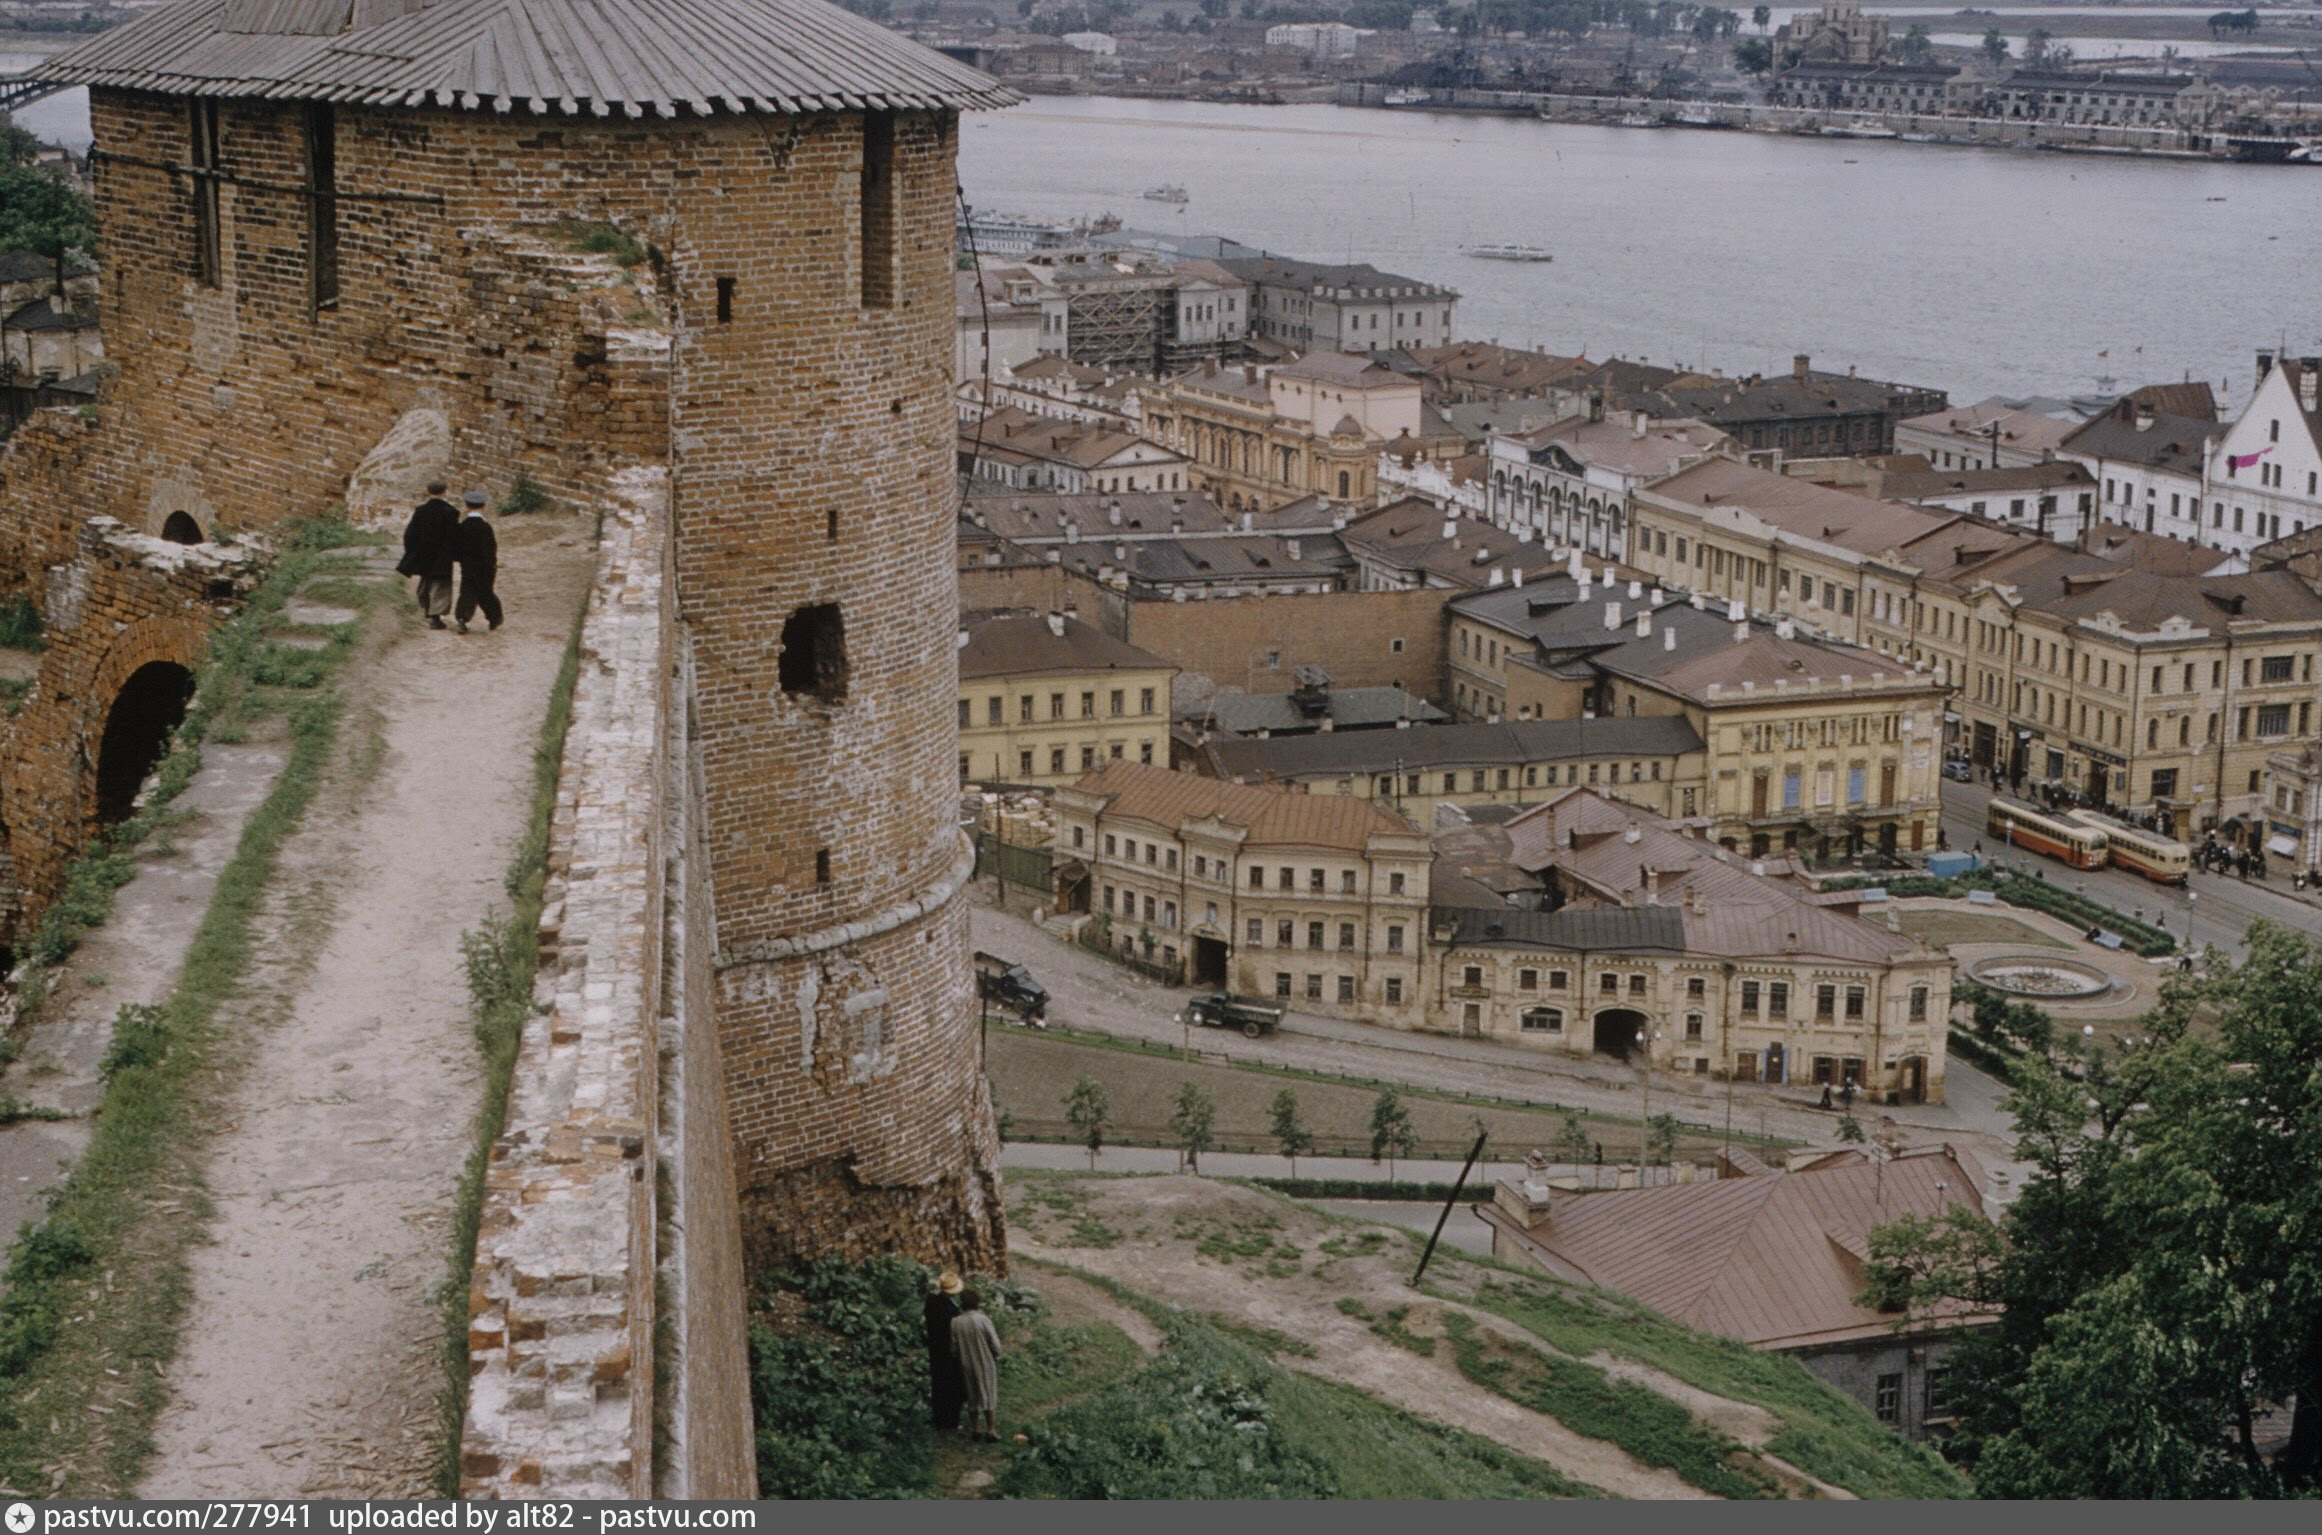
(1841, 34)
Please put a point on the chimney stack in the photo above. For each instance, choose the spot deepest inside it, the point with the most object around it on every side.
(1517, 575)
(1638, 429)
(1498, 577)
(1246, 521)
(1612, 615)
(1645, 625)
(1668, 639)
(1741, 631)
(1636, 590)
(1056, 624)
(1798, 366)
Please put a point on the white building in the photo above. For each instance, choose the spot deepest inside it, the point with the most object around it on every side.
(1100, 44)
(2265, 473)
(2150, 469)
(1992, 435)
(1005, 320)
(1569, 483)
(1323, 39)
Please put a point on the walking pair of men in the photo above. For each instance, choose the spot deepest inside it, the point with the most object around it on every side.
(439, 540)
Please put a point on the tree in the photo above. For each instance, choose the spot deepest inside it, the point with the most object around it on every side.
(1753, 56)
(2036, 51)
(1917, 45)
(1660, 1139)
(1995, 47)
(39, 212)
(2155, 1283)
(18, 146)
(1294, 1138)
(1190, 1116)
(1089, 1110)
(1391, 1132)
(1571, 1144)
(1761, 15)
(1850, 1128)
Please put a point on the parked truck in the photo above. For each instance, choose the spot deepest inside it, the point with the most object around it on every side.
(1220, 1011)
(1006, 984)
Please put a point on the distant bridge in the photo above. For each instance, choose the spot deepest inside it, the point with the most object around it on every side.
(16, 91)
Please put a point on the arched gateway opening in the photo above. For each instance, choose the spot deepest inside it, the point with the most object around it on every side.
(1616, 1031)
(182, 529)
(151, 704)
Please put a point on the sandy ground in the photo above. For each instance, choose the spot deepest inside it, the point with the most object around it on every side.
(310, 1356)
(1160, 1223)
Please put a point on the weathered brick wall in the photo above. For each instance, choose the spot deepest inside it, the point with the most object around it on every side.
(1257, 643)
(119, 601)
(1044, 589)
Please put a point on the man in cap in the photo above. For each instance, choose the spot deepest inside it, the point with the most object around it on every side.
(478, 551)
(428, 553)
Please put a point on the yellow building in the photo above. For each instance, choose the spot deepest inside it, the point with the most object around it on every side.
(1318, 903)
(1045, 700)
(1314, 427)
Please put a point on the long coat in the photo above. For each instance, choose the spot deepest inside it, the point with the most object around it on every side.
(429, 540)
(945, 1389)
(477, 548)
(977, 1343)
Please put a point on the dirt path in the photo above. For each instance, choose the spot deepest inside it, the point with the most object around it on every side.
(309, 1361)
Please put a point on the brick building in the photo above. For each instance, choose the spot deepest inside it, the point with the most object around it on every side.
(351, 245)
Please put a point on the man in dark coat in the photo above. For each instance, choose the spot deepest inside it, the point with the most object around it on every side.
(428, 553)
(947, 1390)
(478, 550)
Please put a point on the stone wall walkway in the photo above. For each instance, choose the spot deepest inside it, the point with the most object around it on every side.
(310, 1360)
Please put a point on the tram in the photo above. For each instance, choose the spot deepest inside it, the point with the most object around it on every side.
(2058, 836)
(2163, 860)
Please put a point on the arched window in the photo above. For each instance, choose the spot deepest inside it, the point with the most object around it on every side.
(1543, 1020)
(180, 528)
(1343, 490)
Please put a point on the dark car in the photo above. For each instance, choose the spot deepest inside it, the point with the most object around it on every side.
(1219, 1011)
(1011, 986)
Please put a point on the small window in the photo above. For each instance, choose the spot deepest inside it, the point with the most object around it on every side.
(822, 866)
(1527, 980)
(1256, 932)
(1282, 983)
(1394, 988)
(814, 654)
(878, 217)
(1890, 1398)
(1543, 1020)
(322, 201)
(725, 301)
(209, 246)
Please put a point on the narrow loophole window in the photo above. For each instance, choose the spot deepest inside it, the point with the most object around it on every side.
(822, 866)
(322, 201)
(202, 156)
(725, 301)
(878, 211)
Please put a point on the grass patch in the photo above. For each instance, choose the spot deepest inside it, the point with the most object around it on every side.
(1942, 929)
(1649, 1426)
(502, 959)
(1268, 1341)
(1825, 1433)
(598, 238)
(97, 1289)
(525, 497)
(1378, 1451)
(1391, 1328)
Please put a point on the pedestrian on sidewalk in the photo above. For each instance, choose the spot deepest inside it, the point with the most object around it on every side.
(1826, 1095)
(478, 551)
(977, 1344)
(428, 552)
(945, 1389)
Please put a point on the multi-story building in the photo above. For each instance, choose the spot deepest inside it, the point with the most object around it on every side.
(1313, 427)
(2105, 97)
(1009, 447)
(1006, 317)
(1045, 700)
(2150, 466)
(1412, 543)
(2055, 500)
(1319, 901)
(1992, 435)
(1908, 89)
(1570, 482)
(1587, 926)
(1807, 745)
(1467, 371)
(1316, 307)
(2265, 473)
(1772, 542)
(1653, 762)
(2293, 808)
(1804, 413)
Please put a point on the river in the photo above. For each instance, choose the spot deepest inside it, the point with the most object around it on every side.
(1977, 271)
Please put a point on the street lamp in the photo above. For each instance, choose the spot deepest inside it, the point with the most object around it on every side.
(1645, 1128)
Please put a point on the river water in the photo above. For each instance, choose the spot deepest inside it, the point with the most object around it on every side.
(1977, 271)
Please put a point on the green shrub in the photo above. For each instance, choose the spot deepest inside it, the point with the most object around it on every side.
(524, 497)
(138, 1040)
(1196, 1423)
(21, 627)
(841, 1397)
(30, 1311)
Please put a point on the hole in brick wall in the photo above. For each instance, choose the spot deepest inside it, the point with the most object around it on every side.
(151, 705)
(895, 409)
(822, 866)
(725, 301)
(814, 653)
(182, 529)
(834, 522)
(878, 216)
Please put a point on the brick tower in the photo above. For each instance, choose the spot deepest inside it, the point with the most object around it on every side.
(331, 223)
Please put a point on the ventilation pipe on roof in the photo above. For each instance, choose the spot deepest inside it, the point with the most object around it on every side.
(1632, 836)
(1668, 639)
(1735, 612)
(1636, 590)
(1056, 624)
(1246, 522)
(1638, 428)
(1612, 615)
(1741, 631)
(1584, 586)
(1071, 531)
(1113, 513)
(1498, 577)
(1645, 624)
(1451, 530)
(1120, 554)
(1659, 596)
(1516, 576)
(1290, 548)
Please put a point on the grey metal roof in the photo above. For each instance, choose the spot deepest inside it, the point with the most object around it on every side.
(1420, 747)
(575, 57)
(1348, 709)
(1596, 929)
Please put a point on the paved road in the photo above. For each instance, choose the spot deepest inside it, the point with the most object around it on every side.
(1097, 996)
(2222, 909)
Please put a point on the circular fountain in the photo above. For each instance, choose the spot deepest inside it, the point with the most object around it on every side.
(2039, 975)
